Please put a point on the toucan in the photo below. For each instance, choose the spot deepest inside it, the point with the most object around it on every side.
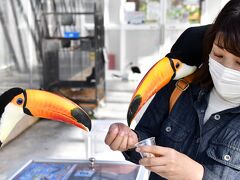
(160, 74)
(185, 57)
(16, 103)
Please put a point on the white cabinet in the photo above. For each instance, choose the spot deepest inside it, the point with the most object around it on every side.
(130, 43)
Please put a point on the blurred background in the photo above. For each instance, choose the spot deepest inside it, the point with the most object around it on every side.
(37, 34)
(93, 52)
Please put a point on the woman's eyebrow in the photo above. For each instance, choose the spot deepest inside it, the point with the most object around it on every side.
(220, 49)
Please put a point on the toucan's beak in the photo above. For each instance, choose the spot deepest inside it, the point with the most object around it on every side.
(156, 78)
(51, 106)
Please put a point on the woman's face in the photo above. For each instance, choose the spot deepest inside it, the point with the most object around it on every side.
(224, 57)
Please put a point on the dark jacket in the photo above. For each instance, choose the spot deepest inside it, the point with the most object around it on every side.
(215, 144)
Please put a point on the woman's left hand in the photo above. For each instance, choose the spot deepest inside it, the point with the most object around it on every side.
(170, 164)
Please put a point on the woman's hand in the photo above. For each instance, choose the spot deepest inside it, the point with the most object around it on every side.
(171, 164)
(120, 137)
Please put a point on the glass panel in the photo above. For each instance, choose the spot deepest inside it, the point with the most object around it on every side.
(19, 42)
(183, 11)
(80, 170)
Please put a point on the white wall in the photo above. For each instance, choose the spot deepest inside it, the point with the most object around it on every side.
(223, 2)
(210, 9)
(2, 47)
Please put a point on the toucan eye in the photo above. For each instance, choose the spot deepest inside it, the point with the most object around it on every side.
(19, 101)
(177, 65)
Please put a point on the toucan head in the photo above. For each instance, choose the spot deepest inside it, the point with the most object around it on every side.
(160, 74)
(15, 103)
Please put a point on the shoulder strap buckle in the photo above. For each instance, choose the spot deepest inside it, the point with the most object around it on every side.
(180, 86)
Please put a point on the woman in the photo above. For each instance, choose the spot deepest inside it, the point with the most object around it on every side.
(200, 137)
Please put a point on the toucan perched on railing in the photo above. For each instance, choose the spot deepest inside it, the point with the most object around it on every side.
(185, 56)
(16, 103)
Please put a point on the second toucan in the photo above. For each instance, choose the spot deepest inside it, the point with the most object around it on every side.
(160, 74)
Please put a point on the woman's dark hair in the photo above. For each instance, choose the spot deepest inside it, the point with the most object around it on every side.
(227, 30)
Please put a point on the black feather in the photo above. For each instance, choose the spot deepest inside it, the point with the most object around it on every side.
(7, 97)
(189, 46)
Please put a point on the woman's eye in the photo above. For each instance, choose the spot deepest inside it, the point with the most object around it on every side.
(19, 101)
(218, 55)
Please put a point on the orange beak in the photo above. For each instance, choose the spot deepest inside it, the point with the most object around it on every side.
(156, 78)
(44, 104)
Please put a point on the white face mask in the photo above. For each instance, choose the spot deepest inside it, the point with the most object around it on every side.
(226, 81)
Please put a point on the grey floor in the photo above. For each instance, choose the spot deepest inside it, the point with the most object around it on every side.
(54, 140)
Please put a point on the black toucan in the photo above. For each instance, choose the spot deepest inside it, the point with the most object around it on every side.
(16, 103)
(184, 58)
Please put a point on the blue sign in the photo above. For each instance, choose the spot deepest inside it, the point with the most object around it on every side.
(71, 34)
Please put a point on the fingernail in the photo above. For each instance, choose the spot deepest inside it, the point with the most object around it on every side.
(121, 134)
(138, 149)
(115, 131)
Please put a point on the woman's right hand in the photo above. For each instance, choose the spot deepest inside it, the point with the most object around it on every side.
(120, 137)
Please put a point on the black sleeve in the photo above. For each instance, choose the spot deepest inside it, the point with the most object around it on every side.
(189, 46)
